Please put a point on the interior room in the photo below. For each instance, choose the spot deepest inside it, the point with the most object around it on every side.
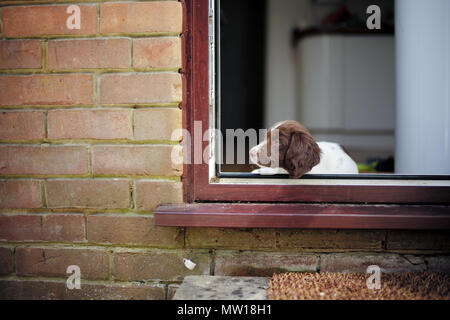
(318, 62)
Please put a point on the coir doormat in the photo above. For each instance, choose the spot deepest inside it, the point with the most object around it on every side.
(339, 286)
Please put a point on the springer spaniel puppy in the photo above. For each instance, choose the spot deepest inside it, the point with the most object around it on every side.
(299, 153)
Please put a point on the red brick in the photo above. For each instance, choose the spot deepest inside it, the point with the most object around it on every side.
(358, 263)
(158, 265)
(262, 264)
(53, 262)
(20, 194)
(89, 124)
(157, 53)
(6, 265)
(63, 227)
(140, 88)
(104, 194)
(43, 160)
(57, 290)
(157, 124)
(148, 17)
(132, 229)
(35, 227)
(149, 194)
(231, 238)
(418, 240)
(20, 227)
(311, 240)
(134, 160)
(19, 125)
(20, 54)
(91, 53)
(22, 21)
(438, 264)
(68, 89)
(171, 290)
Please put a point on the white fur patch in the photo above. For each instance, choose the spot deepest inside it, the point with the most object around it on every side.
(334, 160)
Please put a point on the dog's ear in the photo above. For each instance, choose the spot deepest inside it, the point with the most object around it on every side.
(302, 154)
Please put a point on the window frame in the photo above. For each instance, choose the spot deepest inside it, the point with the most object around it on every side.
(242, 205)
(198, 185)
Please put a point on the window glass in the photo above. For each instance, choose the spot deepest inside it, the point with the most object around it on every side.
(370, 76)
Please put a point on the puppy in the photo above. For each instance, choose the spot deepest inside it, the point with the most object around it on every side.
(298, 153)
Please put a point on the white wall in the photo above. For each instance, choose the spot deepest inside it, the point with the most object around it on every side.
(281, 82)
(281, 75)
(347, 85)
(330, 82)
(423, 87)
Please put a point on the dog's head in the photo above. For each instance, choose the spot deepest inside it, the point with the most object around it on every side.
(288, 145)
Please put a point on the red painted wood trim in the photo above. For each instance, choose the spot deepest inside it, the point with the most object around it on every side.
(200, 87)
(325, 193)
(186, 106)
(305, 216)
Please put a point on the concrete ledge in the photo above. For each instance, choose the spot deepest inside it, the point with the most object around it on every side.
(222, 288)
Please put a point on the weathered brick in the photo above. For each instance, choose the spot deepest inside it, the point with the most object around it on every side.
(148, 88)
(132, 229)
(22, 21)
(67, 89)
(89, 124)
(418, 240)
(171, 290)
(89, 54)
(147, 17)
(104, 194)
(293, 239)
(438, 264)
(134, 160)
(63, 227)
(20, 227)
(33, 227)
(358, 263)
(157, 53)
(22, 125)
(230, 238)
(6, 264)
(255, 264)
(43, 160)
(161, 265)
(157, 124)
(20, 54)
(149, 194)
(57, 290)
(20, 194)
(53, 262)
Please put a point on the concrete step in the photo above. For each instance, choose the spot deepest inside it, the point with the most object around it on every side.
(222, 288)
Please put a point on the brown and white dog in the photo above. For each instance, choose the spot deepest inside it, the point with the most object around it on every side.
(299, 153)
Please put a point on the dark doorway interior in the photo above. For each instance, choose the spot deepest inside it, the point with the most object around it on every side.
(242, 61)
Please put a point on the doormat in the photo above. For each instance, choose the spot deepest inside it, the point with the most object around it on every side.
(340, 286)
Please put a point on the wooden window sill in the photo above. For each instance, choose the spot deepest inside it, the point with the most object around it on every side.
(304, 216)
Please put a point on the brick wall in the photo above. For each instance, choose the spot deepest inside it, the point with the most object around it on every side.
(85, 141)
